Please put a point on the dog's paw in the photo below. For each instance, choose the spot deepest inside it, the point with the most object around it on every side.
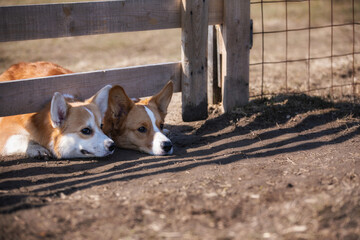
(39, 152)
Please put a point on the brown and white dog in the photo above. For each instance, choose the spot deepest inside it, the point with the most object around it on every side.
(132, 125)
(139, 125)
(65, 128)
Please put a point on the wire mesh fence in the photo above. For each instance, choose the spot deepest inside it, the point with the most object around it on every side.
(306, 46)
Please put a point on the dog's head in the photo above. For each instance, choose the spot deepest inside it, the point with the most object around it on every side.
(139, 125)
(77, 126)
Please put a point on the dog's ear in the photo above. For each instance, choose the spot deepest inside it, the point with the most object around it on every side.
(162, 99)
(119, 103)
(100, 99)
(58, 110)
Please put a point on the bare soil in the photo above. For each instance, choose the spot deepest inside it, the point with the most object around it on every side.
(280, 168)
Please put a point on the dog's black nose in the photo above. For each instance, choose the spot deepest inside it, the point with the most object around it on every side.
(166, 146)
(110, 145)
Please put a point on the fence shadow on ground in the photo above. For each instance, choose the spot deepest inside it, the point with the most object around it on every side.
(255, 122)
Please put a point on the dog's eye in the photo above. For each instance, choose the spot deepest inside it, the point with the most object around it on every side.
(142, 129)
(101, 126)
(86, 131)
(161, 126)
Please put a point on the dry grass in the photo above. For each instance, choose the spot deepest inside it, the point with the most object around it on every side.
(97, 52)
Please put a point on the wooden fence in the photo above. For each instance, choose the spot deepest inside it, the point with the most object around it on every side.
(190, 75)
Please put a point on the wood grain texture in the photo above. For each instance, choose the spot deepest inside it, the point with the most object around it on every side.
(85, 18)
(220, 50)
(235, 55)
(216, 11)
(30, 95)
(214, 91)
(211, 68)
(194, 38)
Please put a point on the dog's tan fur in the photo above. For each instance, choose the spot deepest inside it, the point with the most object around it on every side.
(32, 70)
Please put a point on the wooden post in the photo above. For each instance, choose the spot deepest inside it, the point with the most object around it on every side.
(194, 37)
(235, 55)
(214, 90)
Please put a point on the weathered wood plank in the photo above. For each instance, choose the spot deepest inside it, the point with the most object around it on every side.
(210, 64)
(86, 18)
(194, 37)
(216, 11)
(24, 96)
(214, 91)
(220, 51)
(235, 57)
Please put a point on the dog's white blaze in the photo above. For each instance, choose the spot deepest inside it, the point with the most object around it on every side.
(152, 118)
(159, 137)
(70, 145)
(92, 117)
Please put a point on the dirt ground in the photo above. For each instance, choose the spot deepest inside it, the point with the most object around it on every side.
(281, 168)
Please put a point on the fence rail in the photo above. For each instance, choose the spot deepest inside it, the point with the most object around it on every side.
(86, 18)
(24, 96)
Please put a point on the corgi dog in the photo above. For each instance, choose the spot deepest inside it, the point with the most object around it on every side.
(32, 70)
(139, 125)
(65, 128)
